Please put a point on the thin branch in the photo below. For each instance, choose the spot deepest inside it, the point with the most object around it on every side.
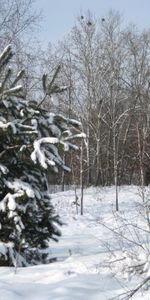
(130, 294)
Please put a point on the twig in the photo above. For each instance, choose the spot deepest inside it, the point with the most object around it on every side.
(128, 295)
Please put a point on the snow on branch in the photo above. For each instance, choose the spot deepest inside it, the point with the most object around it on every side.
(9, 202)
(3, 169)
(14, 91)
(75, 136)
(38, 154)
(5, 56)
(18, 185)
(5, 126)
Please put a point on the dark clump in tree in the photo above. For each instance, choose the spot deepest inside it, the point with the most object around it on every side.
(30, 139)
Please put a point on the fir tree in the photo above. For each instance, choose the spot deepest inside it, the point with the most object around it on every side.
(30, 141)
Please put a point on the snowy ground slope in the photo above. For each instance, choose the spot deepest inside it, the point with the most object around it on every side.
(86, 251)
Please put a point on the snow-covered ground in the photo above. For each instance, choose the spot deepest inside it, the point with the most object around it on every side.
(92, 262)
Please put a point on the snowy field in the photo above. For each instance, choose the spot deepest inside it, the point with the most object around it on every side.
(95, 255)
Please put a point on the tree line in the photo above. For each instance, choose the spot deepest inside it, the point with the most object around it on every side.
(105, 66)
(107, 70)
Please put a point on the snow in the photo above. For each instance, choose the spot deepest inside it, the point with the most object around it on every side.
(20, 186)
(4, 126)
(5, 51)
(38, 154)
(15, 89)
(51, 118)
(55, 130)
(3, 248)
(83, 260)
(3, 169)
(80, 135)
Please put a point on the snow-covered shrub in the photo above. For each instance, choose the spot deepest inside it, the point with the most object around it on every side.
(30, 139)
(131, 257)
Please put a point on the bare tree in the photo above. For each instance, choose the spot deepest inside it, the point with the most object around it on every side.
(106, 69)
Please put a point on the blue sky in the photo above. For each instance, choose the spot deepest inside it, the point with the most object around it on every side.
(59, 15)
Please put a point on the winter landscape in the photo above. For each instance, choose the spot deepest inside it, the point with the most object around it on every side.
(74, 154)
(97, 255)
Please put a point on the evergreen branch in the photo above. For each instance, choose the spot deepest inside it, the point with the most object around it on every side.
(8, 148)
(7, 76)
(5, 56)
(48, 90)
(44, 79)
(54, 77)
(41, 101)
(19, 76)
(15, 91)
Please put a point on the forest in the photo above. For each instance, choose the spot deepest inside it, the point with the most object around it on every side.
(105, 67)
(74, 114)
